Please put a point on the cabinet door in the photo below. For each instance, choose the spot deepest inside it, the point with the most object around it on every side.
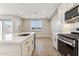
(28, 46)
(25, 48)
(55, 40)
(55, 43)
(31, 44)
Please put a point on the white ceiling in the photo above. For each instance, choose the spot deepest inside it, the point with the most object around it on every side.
(28, 10)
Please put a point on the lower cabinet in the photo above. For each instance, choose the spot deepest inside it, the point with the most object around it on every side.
(55, 41)
(10, 49)
(32, 46)
(15, 49)
(27, 47)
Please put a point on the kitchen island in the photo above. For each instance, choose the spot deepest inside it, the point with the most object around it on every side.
(17, 44)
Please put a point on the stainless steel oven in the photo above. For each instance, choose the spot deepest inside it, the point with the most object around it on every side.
(67, 46)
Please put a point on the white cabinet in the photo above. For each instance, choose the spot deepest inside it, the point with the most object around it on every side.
(31, 45)
(28, 46)
(25, 48)
(62, 9)
(10, 49)
(55, 41)
(11, 24)
(61, 15)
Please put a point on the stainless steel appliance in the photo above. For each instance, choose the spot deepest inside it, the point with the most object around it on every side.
(72, 15)
(68, 44)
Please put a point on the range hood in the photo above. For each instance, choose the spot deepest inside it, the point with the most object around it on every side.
(72, 15)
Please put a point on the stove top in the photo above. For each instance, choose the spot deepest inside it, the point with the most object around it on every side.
(70, 36)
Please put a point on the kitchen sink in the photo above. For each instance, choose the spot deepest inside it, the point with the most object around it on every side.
(24, 34)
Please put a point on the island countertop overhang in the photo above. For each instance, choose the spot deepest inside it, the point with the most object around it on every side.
(16, 38)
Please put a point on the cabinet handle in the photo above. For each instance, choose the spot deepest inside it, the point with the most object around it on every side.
(26, 43)
(32, 41)
(28, 48)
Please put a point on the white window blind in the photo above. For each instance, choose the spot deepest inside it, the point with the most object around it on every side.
(36, 25)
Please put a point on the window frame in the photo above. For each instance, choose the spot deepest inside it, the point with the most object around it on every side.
(37, 26)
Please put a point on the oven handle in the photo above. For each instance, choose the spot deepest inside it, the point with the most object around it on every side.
(72, 44)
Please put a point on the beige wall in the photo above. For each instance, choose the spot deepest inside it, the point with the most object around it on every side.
(67, 28)
(26, 24)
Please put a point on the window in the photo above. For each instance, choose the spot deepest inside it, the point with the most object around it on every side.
(36, 25)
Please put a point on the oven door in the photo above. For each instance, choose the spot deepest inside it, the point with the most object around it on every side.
(66, 48)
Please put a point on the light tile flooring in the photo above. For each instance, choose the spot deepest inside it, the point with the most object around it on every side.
(44, 47)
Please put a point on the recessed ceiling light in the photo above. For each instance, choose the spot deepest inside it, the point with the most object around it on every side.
(44, 12)
(21, 12)
(34, 12)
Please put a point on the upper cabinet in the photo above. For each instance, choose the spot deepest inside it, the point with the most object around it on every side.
(61, 14)
(62, 9)
(10, 24)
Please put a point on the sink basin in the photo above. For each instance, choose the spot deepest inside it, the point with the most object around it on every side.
(24, 34)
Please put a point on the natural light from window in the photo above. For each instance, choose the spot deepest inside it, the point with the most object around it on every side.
(36, 25)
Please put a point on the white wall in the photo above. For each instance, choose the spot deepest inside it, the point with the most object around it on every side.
(26, 24)
(55, 25)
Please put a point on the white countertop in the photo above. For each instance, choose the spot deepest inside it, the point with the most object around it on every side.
(10, 38)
